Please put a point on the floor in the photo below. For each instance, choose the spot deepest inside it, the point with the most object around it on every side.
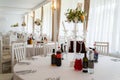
(7, 76)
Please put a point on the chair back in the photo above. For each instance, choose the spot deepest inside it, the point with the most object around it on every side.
(18, 52)
(102, 47)
(43, 49)
(48, 48)
(38, 49)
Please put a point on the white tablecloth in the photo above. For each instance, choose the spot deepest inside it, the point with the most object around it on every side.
(105, 69)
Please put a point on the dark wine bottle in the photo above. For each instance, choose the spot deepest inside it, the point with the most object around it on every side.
(65, 47)
(85, 63)
(62, 51)
(61, 47)
(53, 58)
(58, 57)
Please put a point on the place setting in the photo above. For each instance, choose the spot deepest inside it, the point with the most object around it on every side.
(53, 78)
(24, 63)
(23, 72)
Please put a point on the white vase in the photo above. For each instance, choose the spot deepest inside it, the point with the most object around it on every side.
(75, 36)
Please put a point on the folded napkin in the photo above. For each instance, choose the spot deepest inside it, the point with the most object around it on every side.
(32, 58)
(53, 78)
(115, 60)
(23, 72)
(22, 63)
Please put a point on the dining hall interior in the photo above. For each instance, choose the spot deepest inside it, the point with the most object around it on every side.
(59, 40)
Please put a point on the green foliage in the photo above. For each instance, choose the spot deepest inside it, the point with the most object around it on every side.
(75, 15)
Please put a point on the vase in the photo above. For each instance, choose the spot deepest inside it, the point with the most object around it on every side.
(75, 36)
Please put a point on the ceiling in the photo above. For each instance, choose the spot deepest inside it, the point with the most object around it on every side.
(19, 7)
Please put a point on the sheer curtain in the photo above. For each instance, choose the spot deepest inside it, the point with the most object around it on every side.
(30, 22)
(47, 20)
(104, 23)
(37, 16)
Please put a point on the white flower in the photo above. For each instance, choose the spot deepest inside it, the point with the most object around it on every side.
(76, 19)
(74, 11)
(79, 6)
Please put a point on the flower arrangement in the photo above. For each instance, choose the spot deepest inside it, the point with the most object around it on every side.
(14, 25)
(75, 15)
(23, 24)
(38, 22)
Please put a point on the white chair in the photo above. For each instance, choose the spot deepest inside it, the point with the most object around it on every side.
(48, 48)
(8, 38)
(43, 49)
(7, 76)
(5, 58)
(38, 49)
(102, 47)
(18, 52)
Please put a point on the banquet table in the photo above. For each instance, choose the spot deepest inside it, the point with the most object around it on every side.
(107, 68)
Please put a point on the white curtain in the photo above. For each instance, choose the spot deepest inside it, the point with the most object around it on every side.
(47, 20)
(30, 23)
(104, 23)
(37, 16)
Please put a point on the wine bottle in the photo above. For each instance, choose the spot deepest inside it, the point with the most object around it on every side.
(91, 62)
(53, 58)
(58, 57)
(61, 47)
(65, 47)
(85, 63)
(62, 51)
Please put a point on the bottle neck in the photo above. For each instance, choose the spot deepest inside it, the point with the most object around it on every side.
(53, 51)
(58, 48)
(85, 55)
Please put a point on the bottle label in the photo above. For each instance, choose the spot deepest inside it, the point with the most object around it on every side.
(58, 56)
(90, 64)
(85, 65)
